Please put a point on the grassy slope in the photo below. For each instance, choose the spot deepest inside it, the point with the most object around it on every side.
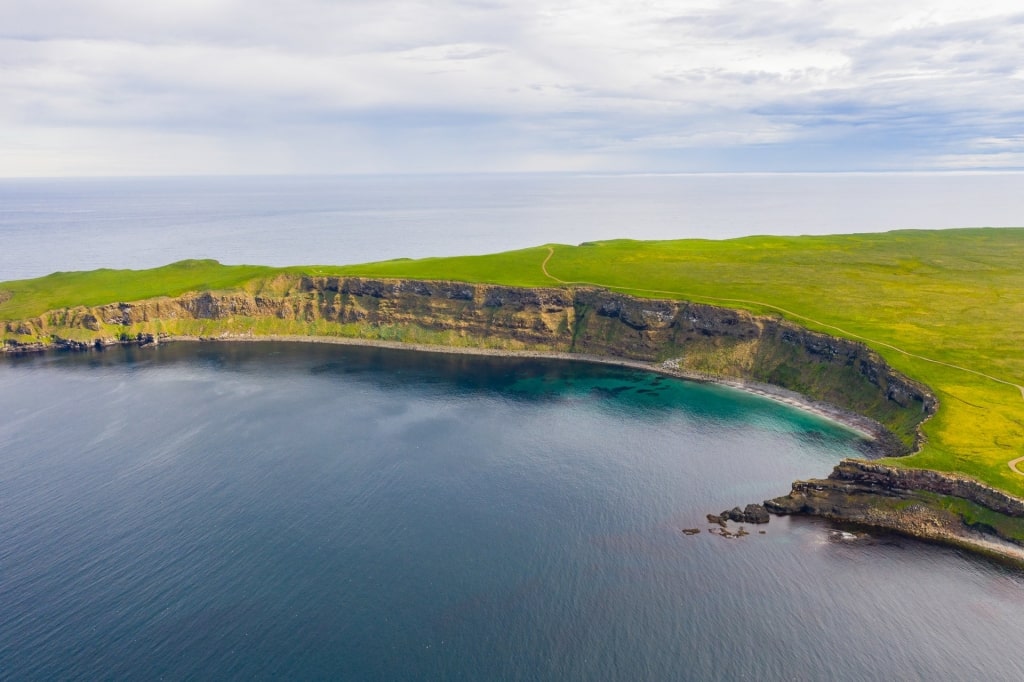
(32, 297)
(953, 296)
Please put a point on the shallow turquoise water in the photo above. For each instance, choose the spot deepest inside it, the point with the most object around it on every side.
(303, 512)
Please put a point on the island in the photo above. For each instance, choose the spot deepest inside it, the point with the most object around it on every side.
(912, 337)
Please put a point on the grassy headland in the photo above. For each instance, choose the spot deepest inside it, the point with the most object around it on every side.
(918, 298)
(30, 297)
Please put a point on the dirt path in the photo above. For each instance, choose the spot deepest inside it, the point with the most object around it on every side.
(544, 267)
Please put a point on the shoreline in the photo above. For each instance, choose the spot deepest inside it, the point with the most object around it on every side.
(878, 438)
(863, 426)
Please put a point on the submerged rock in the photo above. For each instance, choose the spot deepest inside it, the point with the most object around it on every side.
(846, 536)
(720, 520)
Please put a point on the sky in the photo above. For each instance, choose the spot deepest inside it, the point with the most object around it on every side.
(112, 87)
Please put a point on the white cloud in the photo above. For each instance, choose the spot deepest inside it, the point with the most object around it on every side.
(313, 85)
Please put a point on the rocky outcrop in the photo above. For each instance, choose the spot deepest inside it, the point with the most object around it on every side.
(895, 480)
(923, 503)
(752, 513)
(15, 347)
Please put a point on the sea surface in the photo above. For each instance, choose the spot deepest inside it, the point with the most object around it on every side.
(48, 225)
(276, 511)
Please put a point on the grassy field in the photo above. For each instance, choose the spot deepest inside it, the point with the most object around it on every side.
(951, 296)
(30, 297)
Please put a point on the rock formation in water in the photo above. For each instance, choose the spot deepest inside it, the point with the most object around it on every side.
(923, 503)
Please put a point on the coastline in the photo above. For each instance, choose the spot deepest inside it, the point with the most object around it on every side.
(919, 522)
(704, 344)
(859, 424)
(836, 379)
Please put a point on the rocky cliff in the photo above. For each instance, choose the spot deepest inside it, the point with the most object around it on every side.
(927, 504)
(697, 338)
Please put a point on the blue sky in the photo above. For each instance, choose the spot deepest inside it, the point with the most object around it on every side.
(111, 87)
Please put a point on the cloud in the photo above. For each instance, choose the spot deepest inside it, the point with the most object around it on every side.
(358, 86)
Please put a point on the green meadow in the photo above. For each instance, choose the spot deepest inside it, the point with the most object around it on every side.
(944, 307)
(31, 297)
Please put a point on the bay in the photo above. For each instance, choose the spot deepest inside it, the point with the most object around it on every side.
(316, 512)
(323, 512)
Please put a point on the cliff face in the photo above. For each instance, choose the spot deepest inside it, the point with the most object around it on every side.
(475, 311)
(926, 504)
(726, 342)
(697, 338)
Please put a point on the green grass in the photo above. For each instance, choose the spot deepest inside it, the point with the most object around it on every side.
(955, 296)
(31, 297)
(975, 515)
(519, 268)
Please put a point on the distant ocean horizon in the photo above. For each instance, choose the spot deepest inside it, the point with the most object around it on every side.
(62, 224)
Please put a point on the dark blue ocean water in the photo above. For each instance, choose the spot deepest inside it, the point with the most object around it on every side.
(312, 512)
(322, 512)
(81, 224)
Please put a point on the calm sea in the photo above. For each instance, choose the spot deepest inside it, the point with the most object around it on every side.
(82, 224)
(317, 512)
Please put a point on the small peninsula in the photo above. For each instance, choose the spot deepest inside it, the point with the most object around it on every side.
(911, 336)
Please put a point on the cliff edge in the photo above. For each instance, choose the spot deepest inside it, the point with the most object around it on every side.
(696, 339)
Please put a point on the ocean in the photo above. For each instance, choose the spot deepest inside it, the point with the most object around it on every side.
(299, 511)
(48, 225)
(289, 511)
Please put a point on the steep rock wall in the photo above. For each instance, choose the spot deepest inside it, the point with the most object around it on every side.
(922, 503)
(698, 338)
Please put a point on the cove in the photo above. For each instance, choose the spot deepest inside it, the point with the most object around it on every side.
(303, 511)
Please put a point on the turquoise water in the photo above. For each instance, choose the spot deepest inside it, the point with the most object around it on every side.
(320, 512)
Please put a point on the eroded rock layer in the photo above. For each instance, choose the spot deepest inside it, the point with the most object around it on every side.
(702, 339)
(918, 502)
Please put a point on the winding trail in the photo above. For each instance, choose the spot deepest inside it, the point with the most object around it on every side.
(1013, 464)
